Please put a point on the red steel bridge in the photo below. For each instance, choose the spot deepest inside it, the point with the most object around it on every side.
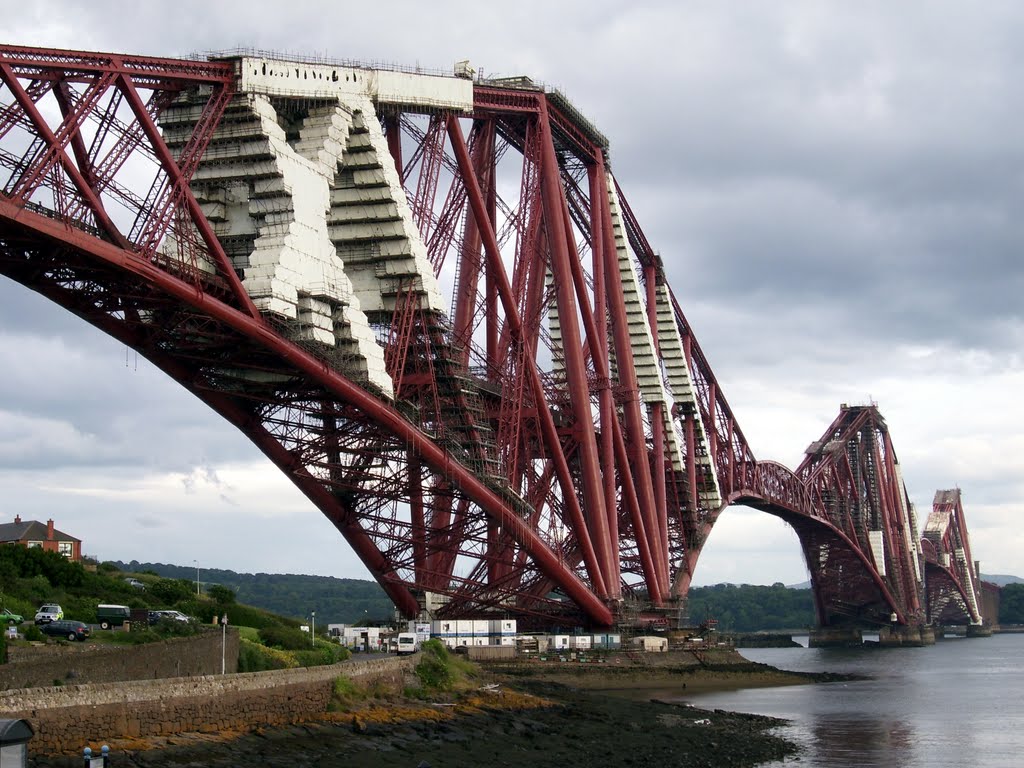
(427, 300)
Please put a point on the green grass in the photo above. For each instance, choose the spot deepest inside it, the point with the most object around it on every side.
(249, 633)
(31, 577)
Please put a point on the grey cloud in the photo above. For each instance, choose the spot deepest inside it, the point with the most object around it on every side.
(831, 185)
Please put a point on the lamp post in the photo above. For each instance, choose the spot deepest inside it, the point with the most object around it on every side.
(312, 629)
(196, 562)
(223, 641)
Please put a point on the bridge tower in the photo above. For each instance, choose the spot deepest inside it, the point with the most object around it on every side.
(954, 586)
(861, 538)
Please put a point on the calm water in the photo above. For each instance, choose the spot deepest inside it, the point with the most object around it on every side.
(957, 703)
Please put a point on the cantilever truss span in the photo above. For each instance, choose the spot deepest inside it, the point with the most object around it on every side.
(428, 302)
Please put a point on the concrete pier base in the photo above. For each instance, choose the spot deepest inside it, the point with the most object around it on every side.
(979, 630)
(906, 636)
(835, 637)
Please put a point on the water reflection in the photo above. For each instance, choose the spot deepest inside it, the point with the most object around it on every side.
(952, 704)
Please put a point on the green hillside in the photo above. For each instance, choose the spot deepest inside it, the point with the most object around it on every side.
(336, 601)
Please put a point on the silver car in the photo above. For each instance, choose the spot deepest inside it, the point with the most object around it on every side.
(49, 612)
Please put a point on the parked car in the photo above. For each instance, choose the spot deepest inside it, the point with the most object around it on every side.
(9, 617)
(134, 583)
(155, 616)
(72, 630)
(49, 612)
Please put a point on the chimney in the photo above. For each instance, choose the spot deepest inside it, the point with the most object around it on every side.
(49, 529)
(17, 519)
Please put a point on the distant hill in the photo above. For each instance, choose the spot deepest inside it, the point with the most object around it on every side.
(336, 601)
(1001, 581)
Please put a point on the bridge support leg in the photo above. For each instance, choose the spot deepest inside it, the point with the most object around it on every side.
(906, 636)
(835, 637)
(979, 630)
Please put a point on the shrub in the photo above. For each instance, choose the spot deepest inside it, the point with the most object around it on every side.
(135, 637)
(322, 654)
(220, 594)
(285, 638)
(344, 694)
(435, 670)
(253, 657)
(33, 633)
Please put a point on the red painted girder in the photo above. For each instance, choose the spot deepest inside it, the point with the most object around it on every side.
(496, 268)
(638, 465)
(31, 61)
(47, 135)
(569, 303)
(345, 390)
(606, 401)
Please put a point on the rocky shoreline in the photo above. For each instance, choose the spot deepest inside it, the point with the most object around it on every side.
(540, 715)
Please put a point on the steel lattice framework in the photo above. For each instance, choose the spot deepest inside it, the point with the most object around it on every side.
(953, 583)
(548, 441)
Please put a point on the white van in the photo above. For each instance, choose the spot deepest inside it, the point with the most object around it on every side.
(407, 642)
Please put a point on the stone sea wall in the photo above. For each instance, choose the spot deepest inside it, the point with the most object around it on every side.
(81, 663)
(67, 718)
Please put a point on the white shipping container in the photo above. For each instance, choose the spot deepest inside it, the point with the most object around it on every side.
(464, 627)
(580, 642)
(443, 629)
(422, 631)
(463, 640)
(559, 642)
(481, 627)
(614, 641)
(480, 640)
(507, 640)
(503, 626)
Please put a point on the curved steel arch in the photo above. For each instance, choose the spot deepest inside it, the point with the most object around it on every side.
(553, 446)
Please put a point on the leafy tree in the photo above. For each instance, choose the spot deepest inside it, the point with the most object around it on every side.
(56, 569)
(348, 601)
(221, 595)
(1011, 604)
(750, 608)
(171, 591)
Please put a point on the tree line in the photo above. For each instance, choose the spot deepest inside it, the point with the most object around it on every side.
(335, 601)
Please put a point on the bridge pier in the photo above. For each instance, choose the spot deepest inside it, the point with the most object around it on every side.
(979, 630)
(835, 637)
(913, 637)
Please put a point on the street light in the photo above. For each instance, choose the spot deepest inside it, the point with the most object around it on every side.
(223, 641)
(196, 562)
(312, 629)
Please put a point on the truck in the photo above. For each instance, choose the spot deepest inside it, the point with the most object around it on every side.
(109, 616)
(407, 643)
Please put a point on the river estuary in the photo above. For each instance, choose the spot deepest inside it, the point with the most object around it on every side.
(957, 703)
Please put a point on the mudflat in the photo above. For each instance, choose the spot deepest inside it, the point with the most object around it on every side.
(539, 714)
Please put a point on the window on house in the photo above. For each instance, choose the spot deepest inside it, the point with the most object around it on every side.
(31, 544)
(65, 548)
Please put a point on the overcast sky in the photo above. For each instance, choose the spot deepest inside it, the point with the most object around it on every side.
(835, 189)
